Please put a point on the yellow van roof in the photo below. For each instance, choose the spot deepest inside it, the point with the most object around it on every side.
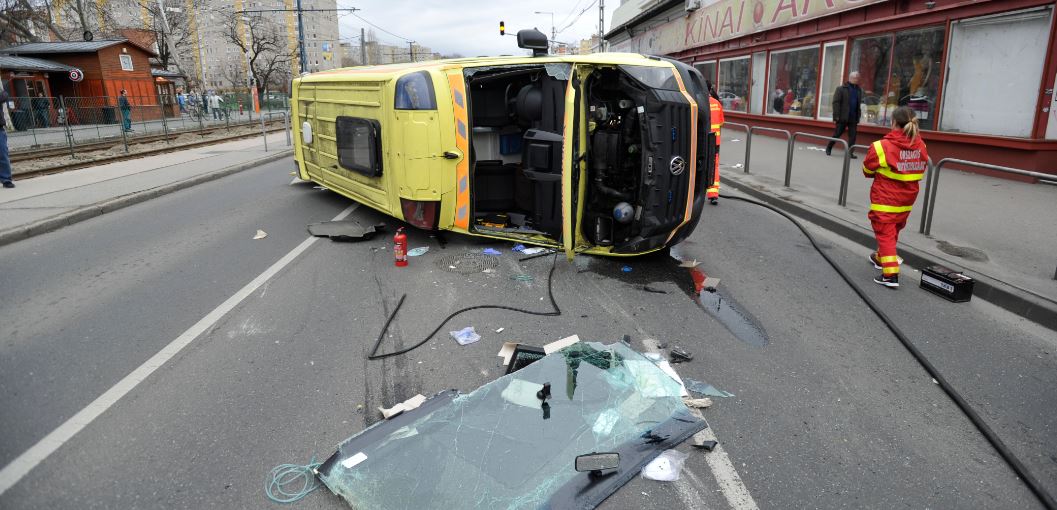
(390, 71)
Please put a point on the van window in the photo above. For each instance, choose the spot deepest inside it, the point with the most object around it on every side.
(415, 92)
(358, 145)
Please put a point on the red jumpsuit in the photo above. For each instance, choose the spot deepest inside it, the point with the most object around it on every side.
(896, 164)
(715, 109)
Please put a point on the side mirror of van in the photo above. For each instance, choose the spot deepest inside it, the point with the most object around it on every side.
(532, 39)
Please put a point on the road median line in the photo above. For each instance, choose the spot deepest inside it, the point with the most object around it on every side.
(82, 213)
(1016, 300)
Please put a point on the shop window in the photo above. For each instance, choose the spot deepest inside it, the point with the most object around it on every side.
(871, 57)
(916, 69)
(832, 76)
(708, 70)
(995, 70)
(733, 84)
(793, 81)
(759, 71)
(359, 145)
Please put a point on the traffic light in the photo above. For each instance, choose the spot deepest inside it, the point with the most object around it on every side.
(502, 28)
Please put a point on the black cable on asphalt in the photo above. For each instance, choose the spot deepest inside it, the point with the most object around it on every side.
(378, 343)
(1018, 467)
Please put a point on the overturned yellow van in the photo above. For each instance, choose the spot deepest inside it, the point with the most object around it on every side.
(603, 153)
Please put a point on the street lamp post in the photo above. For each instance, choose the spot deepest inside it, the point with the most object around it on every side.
(553, 34)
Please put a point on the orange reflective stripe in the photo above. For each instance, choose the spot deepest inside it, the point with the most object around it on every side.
(462, 168)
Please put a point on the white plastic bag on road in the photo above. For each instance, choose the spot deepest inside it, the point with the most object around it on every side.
(666, 467)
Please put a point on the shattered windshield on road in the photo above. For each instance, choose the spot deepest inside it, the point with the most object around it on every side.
(501, 446)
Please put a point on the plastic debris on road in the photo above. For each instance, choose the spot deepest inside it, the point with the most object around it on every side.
(491, 251)
(705, 389)
(533, 251)
(666, 467)
(689, 263)
(518, 248)
(414, 252)
(260, 235)
(522, 277)
(465, 336)
(626, 269)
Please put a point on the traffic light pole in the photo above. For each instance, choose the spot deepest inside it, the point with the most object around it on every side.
(301, 37)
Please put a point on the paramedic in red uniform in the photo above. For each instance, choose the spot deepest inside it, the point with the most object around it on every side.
(895, 163)
(715, 109)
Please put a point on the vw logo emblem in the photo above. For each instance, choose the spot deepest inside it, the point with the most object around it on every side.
(677, 165)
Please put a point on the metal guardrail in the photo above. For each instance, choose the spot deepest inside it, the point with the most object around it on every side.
(844, 167)
(748, 141)
(286, 127)
(932, 185)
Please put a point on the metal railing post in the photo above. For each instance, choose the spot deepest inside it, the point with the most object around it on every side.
(286, 127)
(66, 126)
(164, 125)
(748, 149)
(790, 144)
(844, 164)
(264, 134)
(845, 177)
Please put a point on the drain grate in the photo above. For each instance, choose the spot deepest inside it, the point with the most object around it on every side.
(467, 263)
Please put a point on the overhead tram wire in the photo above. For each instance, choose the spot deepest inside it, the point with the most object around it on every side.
(361, 18)
(577, 18)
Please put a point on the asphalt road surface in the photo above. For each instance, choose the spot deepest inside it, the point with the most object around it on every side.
(830, 411)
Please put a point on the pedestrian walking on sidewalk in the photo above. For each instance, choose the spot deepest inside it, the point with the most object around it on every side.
(126, 110)
(895, 163)
(5, 159)
(42, 109)
(847, 110)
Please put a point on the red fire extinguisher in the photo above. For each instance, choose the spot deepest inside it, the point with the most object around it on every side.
(400, 247)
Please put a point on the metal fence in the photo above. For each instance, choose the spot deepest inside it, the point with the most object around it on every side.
(42, 122)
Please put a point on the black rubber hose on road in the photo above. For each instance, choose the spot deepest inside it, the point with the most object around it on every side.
(1018, 467)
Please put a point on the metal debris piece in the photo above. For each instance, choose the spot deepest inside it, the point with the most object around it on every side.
(654, 290)
(705, 445)
(679, 355)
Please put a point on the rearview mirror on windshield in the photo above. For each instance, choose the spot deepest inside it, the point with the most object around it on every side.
(595, 462)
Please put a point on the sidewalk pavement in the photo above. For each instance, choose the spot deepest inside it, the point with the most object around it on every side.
(994, 228)
(49, 202)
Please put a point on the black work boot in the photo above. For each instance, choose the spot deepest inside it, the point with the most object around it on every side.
(892, 282)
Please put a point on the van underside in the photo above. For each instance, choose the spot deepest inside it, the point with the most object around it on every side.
(637, 155)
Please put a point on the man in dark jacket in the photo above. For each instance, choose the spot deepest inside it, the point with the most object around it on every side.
(5, 161)
(846, 110)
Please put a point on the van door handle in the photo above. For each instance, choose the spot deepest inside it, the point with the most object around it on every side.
(451, 155)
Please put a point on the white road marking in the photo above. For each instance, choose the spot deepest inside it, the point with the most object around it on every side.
(29, 459)
(726, 476)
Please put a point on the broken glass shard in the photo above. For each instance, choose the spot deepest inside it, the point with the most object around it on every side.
(497, 448)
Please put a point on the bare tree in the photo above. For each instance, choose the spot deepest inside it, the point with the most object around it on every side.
(263, 42)
(27, 21)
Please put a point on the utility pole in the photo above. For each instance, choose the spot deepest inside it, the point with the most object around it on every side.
(363, 48)
(554, 35)
(411, 49)
(601, 25)
(301, 38)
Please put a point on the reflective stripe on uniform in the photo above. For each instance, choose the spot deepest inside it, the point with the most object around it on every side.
(888, 271)
(889, 258)
(867, 170)
(887, 171)
(891, 208)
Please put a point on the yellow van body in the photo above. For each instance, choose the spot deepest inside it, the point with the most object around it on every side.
(418, 142)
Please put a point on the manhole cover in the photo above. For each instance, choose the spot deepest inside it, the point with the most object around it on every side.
(467, 263)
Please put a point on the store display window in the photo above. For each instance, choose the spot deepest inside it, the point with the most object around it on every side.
(793, 82)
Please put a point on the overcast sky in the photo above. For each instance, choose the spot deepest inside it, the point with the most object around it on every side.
(469, 27)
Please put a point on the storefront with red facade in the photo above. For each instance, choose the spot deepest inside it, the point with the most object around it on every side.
(979, 74)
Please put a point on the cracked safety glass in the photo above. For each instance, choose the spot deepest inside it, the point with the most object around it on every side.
(502, 446)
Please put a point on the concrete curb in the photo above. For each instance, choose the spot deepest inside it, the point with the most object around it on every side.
(1018, 301)
(80, 214)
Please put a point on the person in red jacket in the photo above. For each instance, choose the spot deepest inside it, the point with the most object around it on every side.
(715, 109)
(895, 163)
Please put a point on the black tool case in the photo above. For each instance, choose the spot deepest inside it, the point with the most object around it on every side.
(947, 283)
